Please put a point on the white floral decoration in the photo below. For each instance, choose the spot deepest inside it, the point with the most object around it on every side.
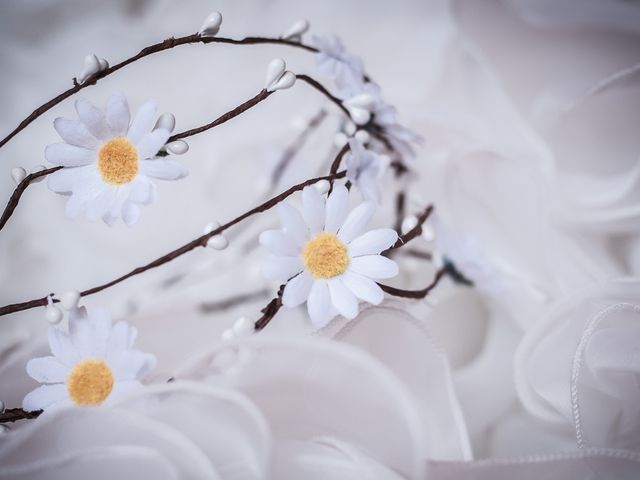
(334, 61)
(366, 169)
(91, 365)
(326, 257)
(109, 160)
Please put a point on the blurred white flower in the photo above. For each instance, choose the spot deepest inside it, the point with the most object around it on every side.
(109, 160)
(92, 364)
(333, 60)
(326, 257)
(365, 169)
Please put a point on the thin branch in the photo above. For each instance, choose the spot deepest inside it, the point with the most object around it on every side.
(270, 310)
(15, 414)
(413, 233)
(201, 241)
(167, 44)
(415, 294)
(315, 84)
(17, 193)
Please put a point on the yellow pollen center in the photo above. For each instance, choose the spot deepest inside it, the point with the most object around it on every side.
(325, 256)
(118, 161)
(90, 382)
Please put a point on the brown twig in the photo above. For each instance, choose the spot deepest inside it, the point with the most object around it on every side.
(270, 310)
(415, 294)
(17, 193)
(315, 84)
(413, 233)
(201, 241)
(15, 414)
(167, 44)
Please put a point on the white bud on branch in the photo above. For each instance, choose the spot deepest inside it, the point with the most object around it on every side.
(211, 25)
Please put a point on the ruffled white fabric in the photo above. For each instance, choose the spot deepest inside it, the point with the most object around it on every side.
(91, 336)
(340, 294)
(80, 177)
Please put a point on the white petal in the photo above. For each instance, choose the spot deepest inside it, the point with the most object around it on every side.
(337, 208)
(66, 179)
(130, 213)
(319, 304)
(297, 290)
(44, 396)
(278, 243)
(364, 288)
(281, 268)
(47, 370)
(69, 155)
(101, 205)
(62, 348)
(120, 338)
(75, 133)
(313, 209)
(357, 221)
(342, 298)
(150, 143)
(131, 364)
(293, 223)
(373, 242)
(163, 169)
(93, 118)
(118, 115)
(143, 191)
(143, 122)
(374, 266)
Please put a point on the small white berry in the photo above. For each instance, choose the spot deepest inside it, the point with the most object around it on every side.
(91, 67)
(210, 227)
(69, 300)
(103, 64)
(360, 116)
(287, 80)
(408, 223)
(178, 147)
(211, 25)
(296, 30)
(275, 70)
(350, 128)
(243, 327)
(218, 242)
(322, 186)
(340, 140)
(362, 136)
(227, 335)
(18, 174)
(166, 121)
(428, 232)
(53, 314)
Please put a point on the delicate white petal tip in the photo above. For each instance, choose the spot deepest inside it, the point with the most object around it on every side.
(210, 227)
(322, 186)
(340, 139)
(363, 136)
(218, 242)
(91, 67)
(211, 25)
(53, 314)
(287, 80)
(18, 174)
(103, 64)
(296, 30)
(179, 147)
(408, 223)
(166, 121)
(243, 327)
(69, 300)
(275, 70)
(36, 169)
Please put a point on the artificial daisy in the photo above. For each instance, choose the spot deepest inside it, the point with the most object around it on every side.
(365, 169)
(109, 160)
(91, 365)
(333, 60)
(326, 257)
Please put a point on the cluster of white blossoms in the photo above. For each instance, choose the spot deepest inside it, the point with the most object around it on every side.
(327, 257)
(109, 159)
(91, 365)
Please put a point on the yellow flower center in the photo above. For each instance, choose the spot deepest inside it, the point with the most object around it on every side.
(325, 256)
(118, 161)
(90, 382)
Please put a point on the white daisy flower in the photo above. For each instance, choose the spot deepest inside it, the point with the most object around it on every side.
(365, 169)
(334, 61)
(326, 256)
(109, 160)
(91, 365)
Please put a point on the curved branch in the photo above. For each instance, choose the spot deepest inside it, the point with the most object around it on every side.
(167, 44)
(415, 294)
(318, 86)
(15, 414)
(201, 241)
